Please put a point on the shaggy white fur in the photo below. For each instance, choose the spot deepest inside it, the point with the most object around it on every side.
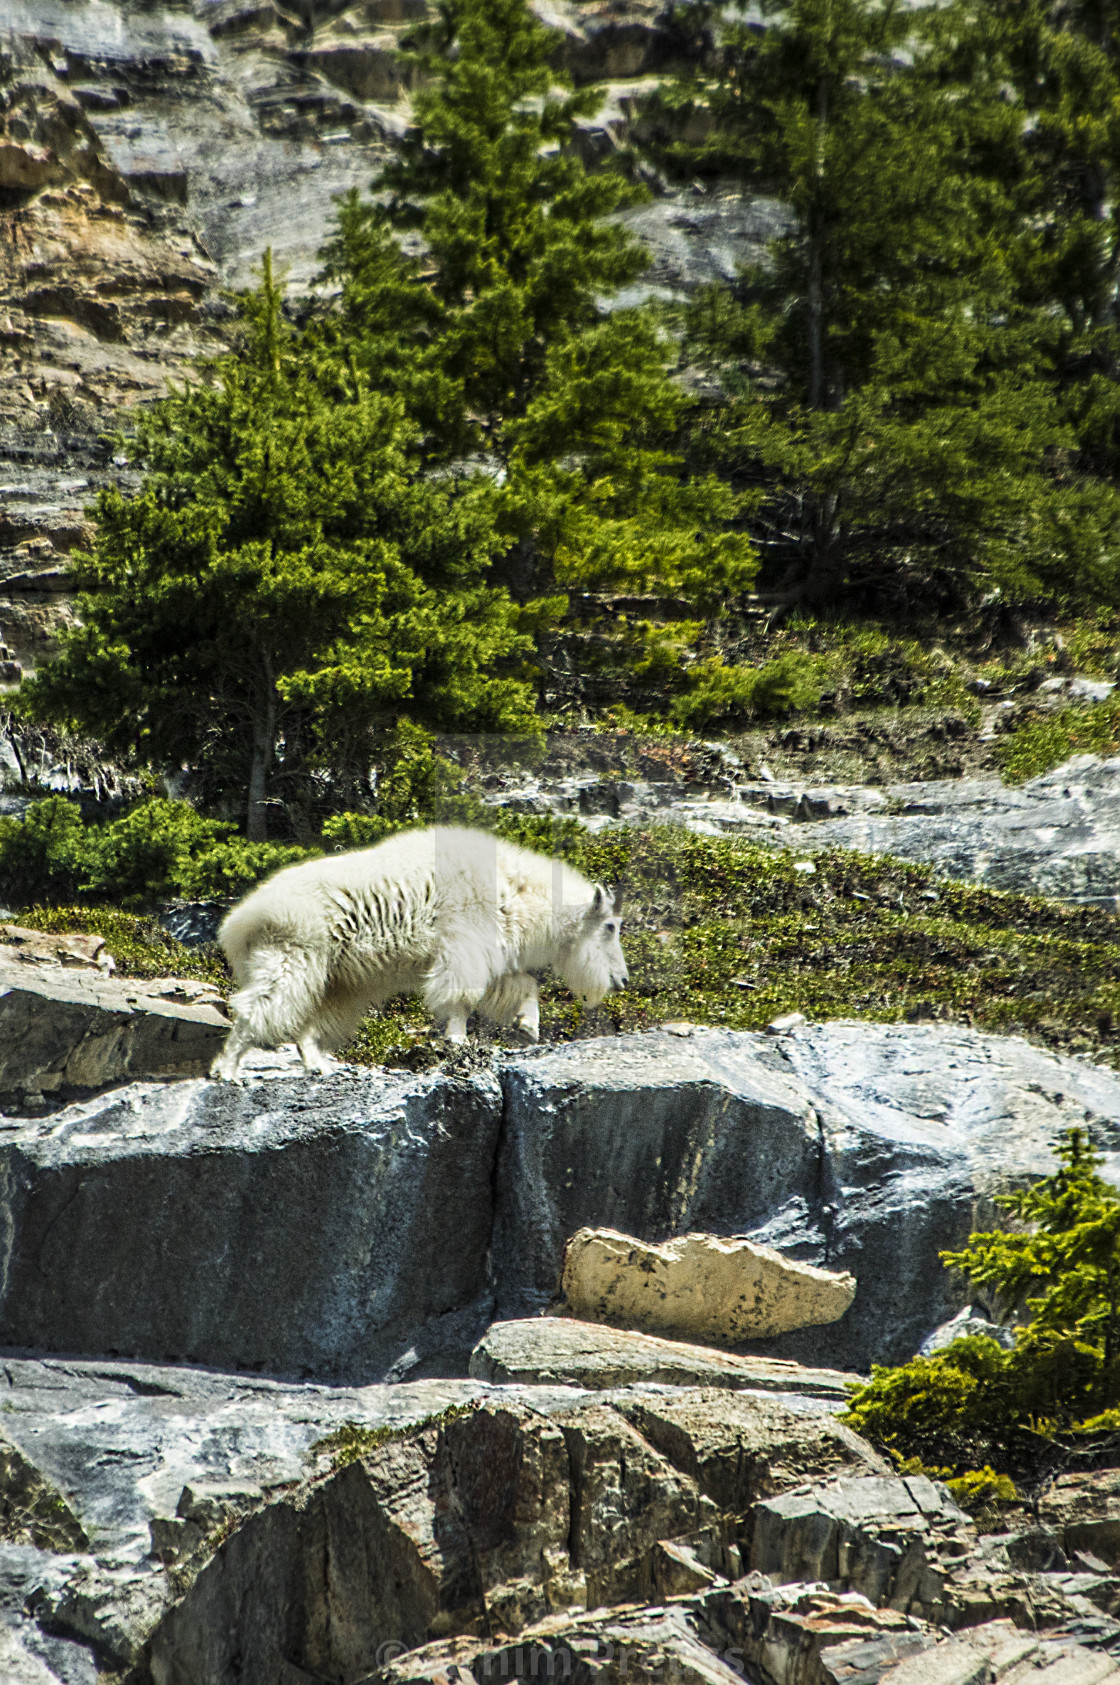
(455, 915)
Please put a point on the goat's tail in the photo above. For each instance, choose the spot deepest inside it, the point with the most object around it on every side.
(281, 993)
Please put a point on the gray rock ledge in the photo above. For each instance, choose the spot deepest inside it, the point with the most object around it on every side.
(370, 1225)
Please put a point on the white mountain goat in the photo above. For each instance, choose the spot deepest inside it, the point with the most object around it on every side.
(455, 915)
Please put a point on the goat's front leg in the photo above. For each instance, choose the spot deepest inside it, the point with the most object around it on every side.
(528, 1019)
(455, 1024)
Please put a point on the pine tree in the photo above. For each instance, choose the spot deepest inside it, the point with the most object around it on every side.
(508, 349)
(284, 585)
(1062, 156)
(891, 383)
(1056, 1276)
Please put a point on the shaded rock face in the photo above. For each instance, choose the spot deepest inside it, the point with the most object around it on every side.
(372, 1224)
(863, 1147)
(294, 1228)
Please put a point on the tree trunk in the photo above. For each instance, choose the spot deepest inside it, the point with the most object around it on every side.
(816, 326)
(816, 279)
(264, 747)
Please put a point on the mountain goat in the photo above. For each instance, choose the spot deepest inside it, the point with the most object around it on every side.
(455, 915)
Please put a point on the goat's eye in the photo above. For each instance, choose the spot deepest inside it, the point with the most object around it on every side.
(611, 928)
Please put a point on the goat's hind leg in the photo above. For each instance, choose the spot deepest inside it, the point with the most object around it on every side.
(228, 1062)
(279, 998)
(335, 1023)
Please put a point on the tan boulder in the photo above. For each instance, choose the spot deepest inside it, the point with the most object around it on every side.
(698, 1286)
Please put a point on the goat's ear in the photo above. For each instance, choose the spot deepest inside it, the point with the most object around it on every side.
(595, 911)
(617, 902)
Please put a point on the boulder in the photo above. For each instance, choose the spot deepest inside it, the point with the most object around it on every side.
(42, 947)
(549, 1349)
(800, 1633)
(967, 1323)
(291, 1226)
(80, 1028)
(698, 1286)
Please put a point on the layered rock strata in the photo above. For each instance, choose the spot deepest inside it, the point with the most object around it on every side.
(246, 1533)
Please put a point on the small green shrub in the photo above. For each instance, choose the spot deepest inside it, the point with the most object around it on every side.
(356, 830)
(352, 1440)
(789, 684)
(983, 1491)
(1060, 1264)
(159, 849)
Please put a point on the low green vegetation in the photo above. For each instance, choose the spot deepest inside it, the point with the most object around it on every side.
(725, 931)
(976, 1408)
(353, 1440)
(157, 850)
(1046, 741)
(140, 946)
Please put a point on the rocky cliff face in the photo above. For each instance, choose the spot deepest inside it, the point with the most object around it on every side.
(369, 1225)
(148, 156)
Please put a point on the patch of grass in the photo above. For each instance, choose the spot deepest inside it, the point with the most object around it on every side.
(723, 931)
(1046, 741)
(140, 946)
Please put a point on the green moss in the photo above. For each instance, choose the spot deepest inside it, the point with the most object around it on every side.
(353, 1441)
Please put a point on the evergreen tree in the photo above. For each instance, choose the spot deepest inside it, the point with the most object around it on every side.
(891, 383)
(285, 584)
(1061, 156)
(506, 347)
(1057, 1276)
